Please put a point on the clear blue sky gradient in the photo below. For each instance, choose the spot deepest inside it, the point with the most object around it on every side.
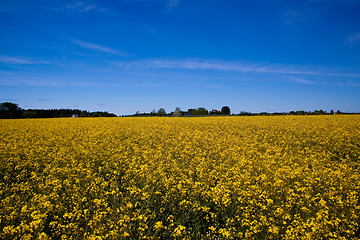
(138, 55)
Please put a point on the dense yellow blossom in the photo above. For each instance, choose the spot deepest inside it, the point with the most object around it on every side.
(285, 177)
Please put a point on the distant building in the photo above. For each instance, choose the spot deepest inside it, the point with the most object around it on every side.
(215, 112)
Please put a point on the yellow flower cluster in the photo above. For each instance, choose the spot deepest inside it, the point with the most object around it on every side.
(279, 177)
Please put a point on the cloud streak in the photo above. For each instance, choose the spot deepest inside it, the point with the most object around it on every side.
(194, 64)
(80, 6)
(96, 47)
(301, 81)
(169, 4)
(19, 61)
(173, 3)
(353, 39)
(290, 16)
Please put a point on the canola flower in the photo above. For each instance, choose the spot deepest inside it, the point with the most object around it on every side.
(280, 177)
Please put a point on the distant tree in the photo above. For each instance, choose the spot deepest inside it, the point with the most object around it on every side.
(95, 114)
(301, 112)
(191, 110)
(243, 113)
(161, 112)
(84, 114)
(10, 110)
(30, 114)
(200, 111)
(177, 112)
(225, 110)
(9, 106)
(153, 113)
(319, 112)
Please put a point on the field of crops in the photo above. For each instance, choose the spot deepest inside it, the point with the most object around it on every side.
(285, 177)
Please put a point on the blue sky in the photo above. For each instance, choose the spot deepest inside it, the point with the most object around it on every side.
(138, 55)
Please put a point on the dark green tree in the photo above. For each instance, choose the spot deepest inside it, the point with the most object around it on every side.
(161, 112)
(200, 111)
(10, 110)
(191, 111)
(225, 110)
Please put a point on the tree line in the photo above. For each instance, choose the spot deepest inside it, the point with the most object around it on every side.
(226, 111)
(13, 111)
(316, 112)
(200, 111)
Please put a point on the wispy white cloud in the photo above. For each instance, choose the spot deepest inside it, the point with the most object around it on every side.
(10, 100)
(96, 47)
(39, 80)
(196, 64)
(169, 4)
(19, 61)
(353, 84)
(29, 81)
(290, 16)
(191, 64)
(76, 6)
(353, 39)
(80, 6)
(173, 3)
(318, 1)
(301, 81)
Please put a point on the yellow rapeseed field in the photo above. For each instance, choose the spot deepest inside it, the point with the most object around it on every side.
(285, 177)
